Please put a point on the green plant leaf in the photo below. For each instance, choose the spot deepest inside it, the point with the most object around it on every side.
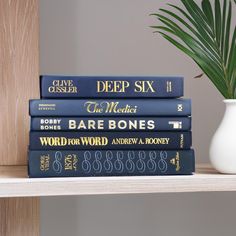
(203, 64)
(207, 9)
(197, 15)
(192, 43)
(227, 33)
(201, 30)
(208, 46)
(203, 33)
(232, 60)
(218, 21)
(223, 26)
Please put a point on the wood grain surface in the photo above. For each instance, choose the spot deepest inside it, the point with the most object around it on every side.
(19, 217)
(19, 69)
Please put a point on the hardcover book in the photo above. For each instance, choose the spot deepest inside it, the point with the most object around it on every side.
(110, 86)
(111, 107)
(110, 124)
(109, 140)
(110, 163)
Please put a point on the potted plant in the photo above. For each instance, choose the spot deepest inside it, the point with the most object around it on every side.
(206, 34)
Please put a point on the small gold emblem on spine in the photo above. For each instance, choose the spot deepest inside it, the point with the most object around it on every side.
(168, 86)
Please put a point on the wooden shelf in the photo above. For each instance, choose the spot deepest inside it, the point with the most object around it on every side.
(15, 183)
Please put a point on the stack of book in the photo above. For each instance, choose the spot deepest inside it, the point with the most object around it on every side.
(110, 126)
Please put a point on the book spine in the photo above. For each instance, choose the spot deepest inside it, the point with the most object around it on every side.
(109, 140)
(110, 87)
(110, 163)
(110, 124)
(109, 107)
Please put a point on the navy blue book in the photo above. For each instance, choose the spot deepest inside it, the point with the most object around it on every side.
(110, 124)
(53, 86)
(110, 163)
(109, 140)
(111, 107)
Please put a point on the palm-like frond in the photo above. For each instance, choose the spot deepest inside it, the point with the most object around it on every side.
(204, 34)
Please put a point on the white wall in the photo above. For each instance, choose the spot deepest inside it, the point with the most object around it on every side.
(112, 37)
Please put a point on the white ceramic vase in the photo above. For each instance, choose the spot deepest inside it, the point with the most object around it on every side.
(223, 144)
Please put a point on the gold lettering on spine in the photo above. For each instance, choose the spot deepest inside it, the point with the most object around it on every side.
(44, 163)
(109, 107)
(168, 86)
(73, 141)
(182, 141)
(94, 141)
(103, 141)
(162, 141)
(82, 125)
(151, 124)
(46, 107)
(124, 141)
(72, 124)
(92, 124)
(86, 125)
(144, 87)
(107, 86)
(50, 124)
(112, 124)
(53, 141)
(176, 162)
(146, 141)
(84, 141)
(180, 107)
(121, 86)
(70, 162)
(120, 124)
(62, 86)
(93, 107)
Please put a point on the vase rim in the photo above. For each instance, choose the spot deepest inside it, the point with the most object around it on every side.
(229, 100)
